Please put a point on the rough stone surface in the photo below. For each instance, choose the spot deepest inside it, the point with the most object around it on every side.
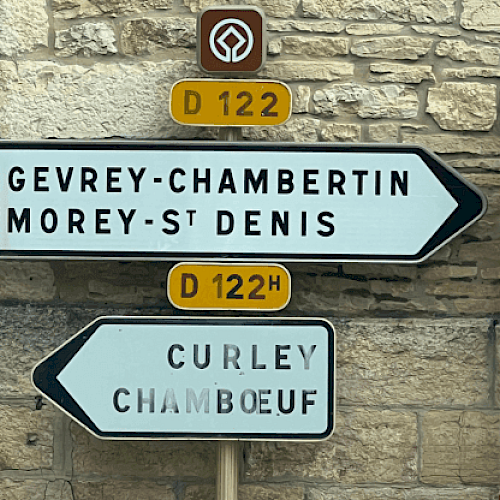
(319, 46)
(295, 130)
(364, 29)
(341, 132)
(458, 50)
(299, 25)
(247, 492)
(422, 11)
(446, 272)
(497, 374)
(463, 289)
(471, 72)
(148, 36)
(480, 251)
(332, 493)
(313, 71)
(35, 490)
(44, 99)
(121, 490)
(419, 362)
(272, 8)
(383, 132)
(400, 73)
(88, 39)
(463, 106)
(453, 143)
(461, 447)
(367, 446)
(25, 27)
(301, 99)
(481, 16)
(442, 31)
(146, 459)
(32, 281)
(477, 307)
(26, 438)
(386, 101)
(74, 9)
(395, 47)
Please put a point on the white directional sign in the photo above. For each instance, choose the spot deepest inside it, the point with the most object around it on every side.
(192, 201)
(203, 378)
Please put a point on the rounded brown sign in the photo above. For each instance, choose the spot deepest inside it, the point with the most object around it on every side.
(231, 40)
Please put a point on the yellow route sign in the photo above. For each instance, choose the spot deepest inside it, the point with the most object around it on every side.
(205, 286)
(233, 103)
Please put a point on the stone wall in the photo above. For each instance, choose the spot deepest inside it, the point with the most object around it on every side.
(418, 413)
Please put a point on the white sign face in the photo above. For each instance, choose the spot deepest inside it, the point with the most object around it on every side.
(233, 201)
(196, 378)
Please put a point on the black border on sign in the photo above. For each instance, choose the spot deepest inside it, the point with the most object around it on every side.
(471, 201)
(44, 377)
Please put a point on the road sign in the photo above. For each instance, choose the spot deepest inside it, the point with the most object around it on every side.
(231, 201)
(230, 102)
(199, 378)
(231, 40)
(232, 287)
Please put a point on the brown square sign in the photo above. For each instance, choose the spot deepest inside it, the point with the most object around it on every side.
(231, 40)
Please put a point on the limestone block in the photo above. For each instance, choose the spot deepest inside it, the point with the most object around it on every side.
(26, 281)
(341, 132)
(367, 446)
(395, 47)
(463, 106)
(88, 39)
(387, 101)
(301, 98)
(144, 459)
(458, 50)
(454, 143)
(443, 31)
(471, 72)
(491, 273)
(363, 29)
(294, 130)
(463, 289)
(74, 9)
(477, 306)
(35, 490)
(446, 272)
(25, 27)
(497, 388)
(274, 47)
(480, 251)
(304, 70)
(305, 26)
(383, 132)
(247, 492)
(488, 38)
(373, 493)
(424, 11)
(26, 437)
(148, 36)
(421, 362)
(461, 447)
(400, 73)
(121, 490)
(393, 288)
(45, 99)
(318, 46)
(380, 270)
(272, 8)
(481, 16)
(492, 164)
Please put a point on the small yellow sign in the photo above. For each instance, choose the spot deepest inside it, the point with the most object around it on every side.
(233, 103)
(205, 286)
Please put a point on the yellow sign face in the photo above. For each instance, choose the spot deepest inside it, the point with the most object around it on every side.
(205, 286)
(233, 103)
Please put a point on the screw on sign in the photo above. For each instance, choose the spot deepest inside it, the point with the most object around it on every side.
(231, 40)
